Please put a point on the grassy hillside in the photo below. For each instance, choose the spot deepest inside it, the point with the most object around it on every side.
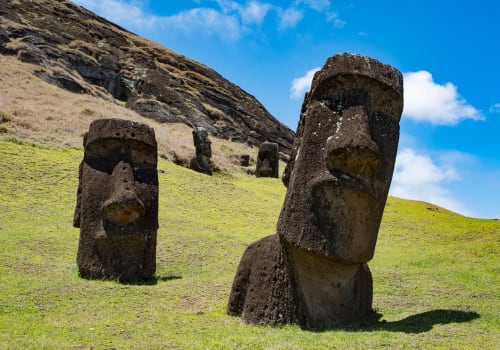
(35, 111)
(436, 274)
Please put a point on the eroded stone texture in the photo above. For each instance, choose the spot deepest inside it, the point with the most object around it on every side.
(117, 201)
(202, 144)
(267, 160)
(338, 179)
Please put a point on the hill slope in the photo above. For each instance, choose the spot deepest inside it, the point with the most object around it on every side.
(37, 112)
(81, 52)
(436, 274)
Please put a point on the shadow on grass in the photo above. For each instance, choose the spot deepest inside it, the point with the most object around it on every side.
(150, 282)
(418, 323)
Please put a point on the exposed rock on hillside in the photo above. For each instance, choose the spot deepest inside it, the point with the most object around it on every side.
(84, 53)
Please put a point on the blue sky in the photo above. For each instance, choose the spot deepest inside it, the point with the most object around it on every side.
(448, 51)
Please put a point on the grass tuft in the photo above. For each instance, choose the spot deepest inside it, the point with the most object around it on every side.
(5, 117)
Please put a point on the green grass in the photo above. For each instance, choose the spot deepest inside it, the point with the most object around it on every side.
(436, 274)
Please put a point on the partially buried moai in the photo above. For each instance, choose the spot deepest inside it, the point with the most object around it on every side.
(267, 160)
(314, 271)
(117, 201)
(202, 144)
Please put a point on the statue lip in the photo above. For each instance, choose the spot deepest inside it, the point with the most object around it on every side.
(352, 181)
(129, 229)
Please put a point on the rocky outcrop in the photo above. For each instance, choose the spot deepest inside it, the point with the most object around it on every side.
(84, 53)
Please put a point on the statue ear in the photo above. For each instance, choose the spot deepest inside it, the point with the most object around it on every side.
(76, 216)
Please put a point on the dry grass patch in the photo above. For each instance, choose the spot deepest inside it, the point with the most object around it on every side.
(43, 113)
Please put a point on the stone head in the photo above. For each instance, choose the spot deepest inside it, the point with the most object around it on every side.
(202, 142)
(267, 160)
(343, 159)
(117, 205)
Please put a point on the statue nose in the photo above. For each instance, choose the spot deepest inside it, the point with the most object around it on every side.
(351, 149)
(124, 206)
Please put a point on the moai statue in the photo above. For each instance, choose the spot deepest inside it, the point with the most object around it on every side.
(201, 162)
(117, 201)
(314, 271)
(244, 159)
(267, 160)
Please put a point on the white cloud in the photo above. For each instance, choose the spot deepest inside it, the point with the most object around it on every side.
(417, 176)
(495, 108)
(254, 12)
(337, 22)
(302, 84)
(289, 18)
(318, 5)
(199, 20)
(224, 18)
(120, 12)
(427, 101)
(206, 21)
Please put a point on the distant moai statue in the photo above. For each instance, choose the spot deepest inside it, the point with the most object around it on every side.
(314, 271)
(201, 162)
(244, 159)
(117, 201)
(267, 160)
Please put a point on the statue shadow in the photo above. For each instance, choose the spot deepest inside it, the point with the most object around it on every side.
(415, 324)
(418, 323)
(151, 281)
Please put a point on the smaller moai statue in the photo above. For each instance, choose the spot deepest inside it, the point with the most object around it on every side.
(244, 159)
(117, 201)
(267, 160)
(201, 162)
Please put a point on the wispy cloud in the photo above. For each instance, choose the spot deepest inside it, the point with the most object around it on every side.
(120, 12)
(254, 12)
(227, 19)
(418, 176)
(495, 108)
(318, 5)
(206, 21)
(289, 18)
(334, 18)
(427, 101)
(302, 84)
(200, 20)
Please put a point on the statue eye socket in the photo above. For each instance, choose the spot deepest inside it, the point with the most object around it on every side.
(145, 173)
(104, 162)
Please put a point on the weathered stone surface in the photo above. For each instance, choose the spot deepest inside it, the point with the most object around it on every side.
(338, 179)
(267, 160)
(261, 292)
(117, 201)
(202, 144)
(82, 52)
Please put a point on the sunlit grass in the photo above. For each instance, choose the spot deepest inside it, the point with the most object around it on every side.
(436, 274)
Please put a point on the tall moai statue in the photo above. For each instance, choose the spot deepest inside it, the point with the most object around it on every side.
(267, 160)
(314, 271)
(117, 201)
(202, 144)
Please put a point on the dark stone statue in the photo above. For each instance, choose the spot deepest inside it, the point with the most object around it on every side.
(314, 271)
(244, 159)
(201, 162)
(267, 160)
(117, 201)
